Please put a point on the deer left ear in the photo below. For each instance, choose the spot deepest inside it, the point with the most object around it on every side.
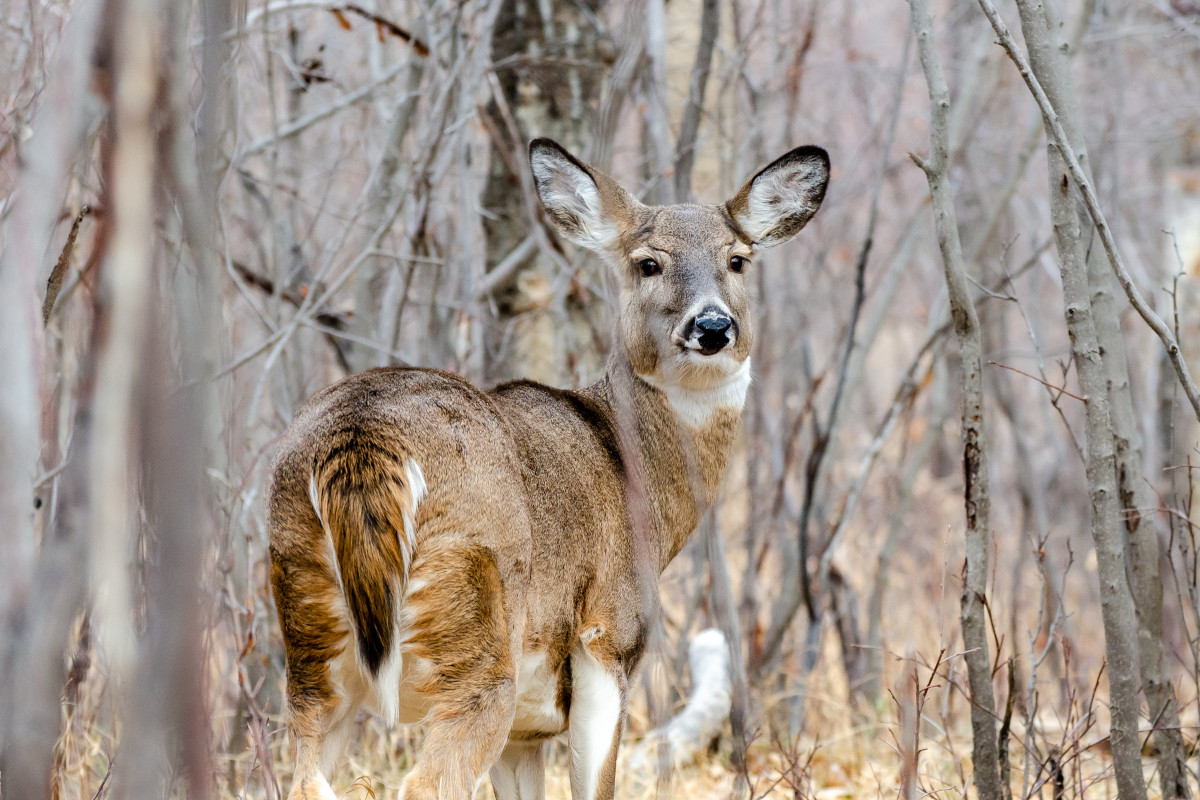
(777, 202)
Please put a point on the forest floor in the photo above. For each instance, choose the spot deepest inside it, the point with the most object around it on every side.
(855, 756)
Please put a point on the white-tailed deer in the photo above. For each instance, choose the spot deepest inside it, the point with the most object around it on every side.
(469, 559)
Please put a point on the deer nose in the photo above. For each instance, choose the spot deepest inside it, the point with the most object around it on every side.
(712, 331)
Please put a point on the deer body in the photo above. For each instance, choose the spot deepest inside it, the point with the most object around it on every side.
(470, 559)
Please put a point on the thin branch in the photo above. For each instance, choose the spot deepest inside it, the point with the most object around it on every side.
(382, 24)
(685, 148)
(1058, 389)
(302, 124)
(507, 268)
(976, 489)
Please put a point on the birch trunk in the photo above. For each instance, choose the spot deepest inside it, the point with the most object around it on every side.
(58, 129)
(985, 754)
(550, 53)
(369, 290)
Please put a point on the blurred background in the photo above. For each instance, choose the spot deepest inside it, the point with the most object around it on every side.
(211, 210)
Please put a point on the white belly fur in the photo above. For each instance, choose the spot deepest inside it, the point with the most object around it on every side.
(537, 697)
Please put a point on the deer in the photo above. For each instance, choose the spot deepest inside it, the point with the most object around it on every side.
(469, 559)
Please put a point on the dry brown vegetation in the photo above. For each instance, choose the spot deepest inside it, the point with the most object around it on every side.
(248, 201)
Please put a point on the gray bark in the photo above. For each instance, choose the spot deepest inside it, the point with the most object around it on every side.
(685, 148)
(722, 601)
(384, 180)
(1075, 171)
(1120, 619)
(1136, 497)
(917, 462)
(985, 754)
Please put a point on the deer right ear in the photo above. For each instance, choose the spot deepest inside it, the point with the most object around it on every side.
(777, 202)
(585, 204)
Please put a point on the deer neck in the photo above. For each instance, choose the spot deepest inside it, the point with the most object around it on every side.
(675, 443)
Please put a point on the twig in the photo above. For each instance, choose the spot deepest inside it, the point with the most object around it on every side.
(302, 124)
(790, 601)
(1006, 727)
(507, 267)
(976, 490)
(1058, 389)
(270, 9)
(382, 23)
(905, 394)
(685, 148)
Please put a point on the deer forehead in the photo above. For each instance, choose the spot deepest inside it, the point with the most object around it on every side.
(685, 231)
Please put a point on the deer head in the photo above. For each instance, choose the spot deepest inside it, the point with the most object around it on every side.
(683, 269)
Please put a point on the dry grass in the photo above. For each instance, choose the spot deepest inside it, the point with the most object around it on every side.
(849, 750)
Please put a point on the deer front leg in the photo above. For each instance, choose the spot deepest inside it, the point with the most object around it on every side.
(597, 715)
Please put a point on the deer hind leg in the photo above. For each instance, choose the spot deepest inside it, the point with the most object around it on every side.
(462, 638)
(320, 733)
(324, 688)
(597, 715)
(321, 711)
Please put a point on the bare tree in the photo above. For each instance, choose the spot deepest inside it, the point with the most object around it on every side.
(1120, 620)
(976, 489)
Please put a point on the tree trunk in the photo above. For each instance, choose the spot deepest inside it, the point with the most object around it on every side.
(1145, 558)
(985, 754)
(1121, 627)
(369, 323)
(552, 66)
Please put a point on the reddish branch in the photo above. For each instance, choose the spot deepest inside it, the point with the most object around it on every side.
(382, 24)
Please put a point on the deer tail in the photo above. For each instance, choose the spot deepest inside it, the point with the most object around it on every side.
(365, 488)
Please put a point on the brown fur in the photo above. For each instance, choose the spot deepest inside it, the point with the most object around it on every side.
(522, 546)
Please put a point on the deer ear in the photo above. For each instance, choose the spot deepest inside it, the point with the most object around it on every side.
(586, 205)
(777, 202)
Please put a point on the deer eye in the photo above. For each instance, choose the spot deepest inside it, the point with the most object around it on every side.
(649, 267)
(738, 263)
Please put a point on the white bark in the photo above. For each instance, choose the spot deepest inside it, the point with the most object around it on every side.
(40, 583)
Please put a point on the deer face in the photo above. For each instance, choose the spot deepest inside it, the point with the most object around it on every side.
(684, 318)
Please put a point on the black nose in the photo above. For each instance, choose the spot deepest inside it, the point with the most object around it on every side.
(711, 330)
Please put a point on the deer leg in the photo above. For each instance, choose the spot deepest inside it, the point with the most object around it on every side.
(322, 698)
(463, 640)
(520, 773)
(308, 781)
(597, 715)
(320, 733)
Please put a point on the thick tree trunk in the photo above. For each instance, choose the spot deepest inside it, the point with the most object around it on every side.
(551, 68)
(975, 467)
(30, 657)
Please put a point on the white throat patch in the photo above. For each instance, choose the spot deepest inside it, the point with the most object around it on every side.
(696, 407)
